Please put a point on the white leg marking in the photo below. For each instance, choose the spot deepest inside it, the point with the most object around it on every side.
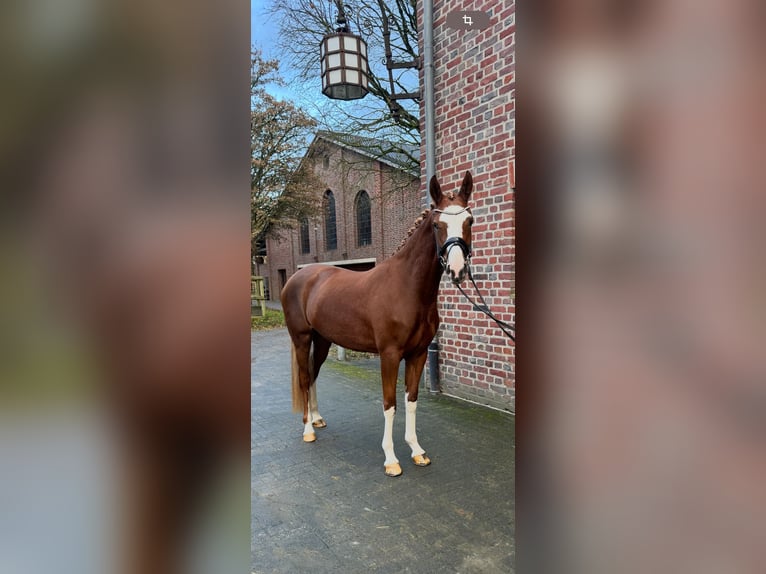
(410, 436)
(307, 428)
(313, 406)
(388, 436)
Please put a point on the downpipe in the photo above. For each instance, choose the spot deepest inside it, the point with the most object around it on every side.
(430, 137)
(433, 367)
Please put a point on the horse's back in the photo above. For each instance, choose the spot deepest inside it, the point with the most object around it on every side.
(306, 283)
(331, 301)
(298, 286)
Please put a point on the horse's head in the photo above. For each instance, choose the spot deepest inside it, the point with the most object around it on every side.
(452, 222)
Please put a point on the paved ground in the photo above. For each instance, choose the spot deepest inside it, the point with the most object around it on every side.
(327, 506)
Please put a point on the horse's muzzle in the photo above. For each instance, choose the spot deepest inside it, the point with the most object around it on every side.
(444, 253)
(457, 279)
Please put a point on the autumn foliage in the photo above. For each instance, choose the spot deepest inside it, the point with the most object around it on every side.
(283, 187)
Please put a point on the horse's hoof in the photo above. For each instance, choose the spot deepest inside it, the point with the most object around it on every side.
(393, 469)
(421, 460)
(319, 424)
(310, 437)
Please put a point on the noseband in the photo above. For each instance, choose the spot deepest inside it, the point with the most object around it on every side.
(443, 250)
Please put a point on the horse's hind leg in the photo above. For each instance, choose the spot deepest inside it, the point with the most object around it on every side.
(321, 347)
(303, 367)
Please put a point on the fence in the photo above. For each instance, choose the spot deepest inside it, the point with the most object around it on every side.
(257, 296)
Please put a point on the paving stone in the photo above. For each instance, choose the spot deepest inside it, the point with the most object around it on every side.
(328, 507)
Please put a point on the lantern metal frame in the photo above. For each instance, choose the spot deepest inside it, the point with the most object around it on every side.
(343, 55)
(391, 65)
(344, 66)
(343, 60)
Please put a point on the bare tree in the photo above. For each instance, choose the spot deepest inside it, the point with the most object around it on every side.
(302, 25)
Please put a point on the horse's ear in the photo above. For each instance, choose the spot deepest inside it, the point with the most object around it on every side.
(436, 190)
(467, 187)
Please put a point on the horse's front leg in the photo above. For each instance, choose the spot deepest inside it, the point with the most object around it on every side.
(413, 370)
(389, 367)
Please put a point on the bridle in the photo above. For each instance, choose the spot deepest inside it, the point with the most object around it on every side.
(442, 252)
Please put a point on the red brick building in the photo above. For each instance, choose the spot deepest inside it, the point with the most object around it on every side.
(474, 82)
(370, 199)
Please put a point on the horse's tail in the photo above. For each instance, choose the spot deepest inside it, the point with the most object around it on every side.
(298, 399)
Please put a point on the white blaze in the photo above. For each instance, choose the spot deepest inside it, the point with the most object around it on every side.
(454, 221)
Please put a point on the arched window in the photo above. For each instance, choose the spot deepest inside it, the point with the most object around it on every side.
(363, 219)
(305, 240)
(330, 225)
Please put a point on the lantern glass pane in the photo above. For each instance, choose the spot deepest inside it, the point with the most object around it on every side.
(352, 61)
(333, 44)
(335, 77)
(352, 76)
(321, 48)
(333, 61)
(364, 80)
(363, 48)
(349, 44)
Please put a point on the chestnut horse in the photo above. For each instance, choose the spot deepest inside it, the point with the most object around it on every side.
(390, 310)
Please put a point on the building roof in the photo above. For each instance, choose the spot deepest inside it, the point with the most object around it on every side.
(397, 155)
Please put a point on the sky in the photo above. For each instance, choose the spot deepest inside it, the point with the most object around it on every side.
(264, 30)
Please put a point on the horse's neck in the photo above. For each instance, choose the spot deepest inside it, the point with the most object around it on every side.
(417, 260)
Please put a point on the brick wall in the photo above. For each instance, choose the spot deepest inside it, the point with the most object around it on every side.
(474, 100)
(280, 255)
(395, 203)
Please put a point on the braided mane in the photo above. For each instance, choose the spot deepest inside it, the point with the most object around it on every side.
(412, 229)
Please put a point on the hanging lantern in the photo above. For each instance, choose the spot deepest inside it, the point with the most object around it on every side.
(344, 66)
